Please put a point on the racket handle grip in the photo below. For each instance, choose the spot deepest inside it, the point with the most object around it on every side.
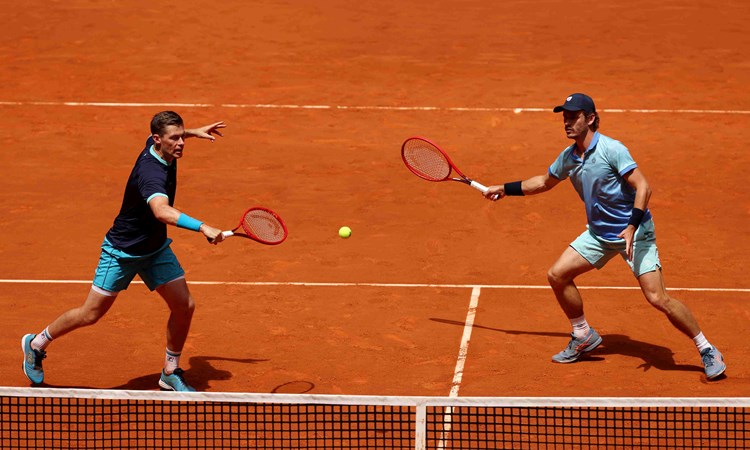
(479, 186)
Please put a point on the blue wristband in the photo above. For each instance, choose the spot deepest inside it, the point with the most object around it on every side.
(188, 223)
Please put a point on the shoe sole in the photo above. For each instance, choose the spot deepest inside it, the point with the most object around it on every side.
(23, 349)
(588, 349)
(164, 385)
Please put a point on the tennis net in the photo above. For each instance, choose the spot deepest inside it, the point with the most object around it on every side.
(109, 419)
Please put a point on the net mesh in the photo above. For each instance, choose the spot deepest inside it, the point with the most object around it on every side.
(264, 225)
(63, 423)
(426, 160)
(591, 427)
(64, 419)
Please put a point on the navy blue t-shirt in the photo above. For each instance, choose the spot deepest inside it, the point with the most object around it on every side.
(136, 230)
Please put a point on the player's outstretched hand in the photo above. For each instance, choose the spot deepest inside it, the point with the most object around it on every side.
(207, 131)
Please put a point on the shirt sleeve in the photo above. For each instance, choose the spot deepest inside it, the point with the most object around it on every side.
(558, 168)
(620, 159)
(152, 182)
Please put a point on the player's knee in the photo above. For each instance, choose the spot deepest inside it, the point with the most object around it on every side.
(191, 305)
(555, 278)
(185, 308)
(662, 302)
(89, 317)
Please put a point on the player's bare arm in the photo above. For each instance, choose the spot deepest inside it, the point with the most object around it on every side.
(637, 181)
(539, 184)
(170, 215)
(531, 186)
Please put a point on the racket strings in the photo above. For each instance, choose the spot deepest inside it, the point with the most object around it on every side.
(264, 225)
(426, 160)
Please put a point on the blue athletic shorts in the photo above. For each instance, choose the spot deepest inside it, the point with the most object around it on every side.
(117, 269)
(598, 252)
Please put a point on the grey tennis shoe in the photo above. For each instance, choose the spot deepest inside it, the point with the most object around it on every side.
(713, 362)
(577, 347)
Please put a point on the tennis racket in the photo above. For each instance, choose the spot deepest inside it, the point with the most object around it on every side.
(428, 161)
(261, 225)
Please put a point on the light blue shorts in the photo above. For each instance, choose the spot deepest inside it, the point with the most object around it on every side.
(117, 269)
(598, 252)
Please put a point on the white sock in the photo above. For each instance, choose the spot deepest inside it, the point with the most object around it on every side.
(172, 361)
(701, 342)
(41, 340)
(580, 327)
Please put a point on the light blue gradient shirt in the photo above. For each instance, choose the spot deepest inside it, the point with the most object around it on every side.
(598, 179)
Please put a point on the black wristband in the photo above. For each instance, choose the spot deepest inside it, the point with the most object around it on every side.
(636, 217)
(513, 188)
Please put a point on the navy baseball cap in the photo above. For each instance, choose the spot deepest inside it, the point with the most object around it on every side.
(577, 102)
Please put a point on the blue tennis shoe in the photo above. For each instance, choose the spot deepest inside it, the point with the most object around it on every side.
(175, 381)
(32, 360)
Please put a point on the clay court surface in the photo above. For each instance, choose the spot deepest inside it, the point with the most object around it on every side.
(318, 97)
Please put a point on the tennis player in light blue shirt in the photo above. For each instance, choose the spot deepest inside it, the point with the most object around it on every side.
(615, 193)
(598, 178)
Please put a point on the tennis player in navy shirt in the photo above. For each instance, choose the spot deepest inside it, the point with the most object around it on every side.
(615, 193)
(137, 243)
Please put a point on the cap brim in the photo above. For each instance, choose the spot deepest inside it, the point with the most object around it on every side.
(571, 108)
(568, 108)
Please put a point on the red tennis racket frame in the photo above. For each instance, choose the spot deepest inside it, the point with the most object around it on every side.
(463, 178)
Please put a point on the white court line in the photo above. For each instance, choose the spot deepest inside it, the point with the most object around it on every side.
(516, 110)
(394, 285)
(463, 351)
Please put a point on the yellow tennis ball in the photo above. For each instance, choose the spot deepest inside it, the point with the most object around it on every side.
(345, 232)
